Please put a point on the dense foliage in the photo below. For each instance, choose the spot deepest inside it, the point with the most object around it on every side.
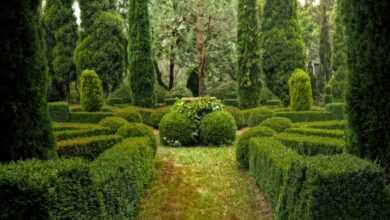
(368, 90)
(177, 130)
(249, 71)
(325, 48)
(301, 94)
(218, 128)
(282, 44)
(91, 91)
(140, 55)
(23, 84)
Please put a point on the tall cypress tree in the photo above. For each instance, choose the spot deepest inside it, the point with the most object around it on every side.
(325, 48)
(61, 25)
(282, 44)
(140, 55)
(249, 72)
(23, 84)
(368, 94)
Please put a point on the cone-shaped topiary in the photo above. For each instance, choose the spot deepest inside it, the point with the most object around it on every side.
(301, 94)
(23, 78)
(91, 93)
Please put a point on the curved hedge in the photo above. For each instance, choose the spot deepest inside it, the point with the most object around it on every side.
(131, 114)
(258, 115)
(176, 130)
(138, 130)
(113, 123)
(278, 124)
(218, 128)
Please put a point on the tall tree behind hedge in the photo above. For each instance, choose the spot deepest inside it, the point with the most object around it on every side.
(23, 84)
(249, 72)
(89, 9)
(325, 48)
(368, 94)
(140, 55)
(282, 44)
(60, 24)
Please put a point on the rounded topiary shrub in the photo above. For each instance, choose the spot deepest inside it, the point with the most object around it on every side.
(258, 115)
(218, 128)
(91, 91)
(131, 114)
(242, 147)
(113, 123)
(138, 130)
(176, 130)
(278, 124)
(301, 95)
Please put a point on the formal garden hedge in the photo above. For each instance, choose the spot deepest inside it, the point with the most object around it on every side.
(72, 134)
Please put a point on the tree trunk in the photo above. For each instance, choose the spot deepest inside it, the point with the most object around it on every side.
(200, 46)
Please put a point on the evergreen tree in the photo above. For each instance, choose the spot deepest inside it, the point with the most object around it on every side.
(140, 55)
(23, 110)
(89, 10)
(368, 93)
(282, 44)
(61, 32)
(249, 72)
(325, 48)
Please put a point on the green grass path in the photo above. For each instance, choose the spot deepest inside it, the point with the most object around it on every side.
(202, 184)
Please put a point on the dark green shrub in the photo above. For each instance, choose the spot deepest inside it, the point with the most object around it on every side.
(337, 109)
(91, 92)
(138, 130)
(236, 113)
(328, 95)
(337, 125)
(273, 102)
(317, 132)
(231, 102)
(131, 114)
(218, 128)
(242, 146)
(257, 116)
(59, 111)
(122, 175)
(306, 116)
(89, 117)
(176, 130)
(23, 87)
(88, 148)
(312, 145)
(226, 90)
(59, 127)
(277, 124)
(121, 95)
(301, 94)
(152, 117)
(72, 134)
(113, 123)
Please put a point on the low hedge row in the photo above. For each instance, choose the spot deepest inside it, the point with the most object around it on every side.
(113, 123)
(317, 188)
(138, 130)
(337, 109)
(306, 116)
(88, 148)
(88, 117)
(312, 145)
(152, 117)
(278, 124)
(108, 188)
(66, 135)
(58, 127)
(332, 125)
(317, 132)
(59, 111)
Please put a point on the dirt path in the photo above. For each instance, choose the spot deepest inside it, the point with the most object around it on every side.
(202, 184)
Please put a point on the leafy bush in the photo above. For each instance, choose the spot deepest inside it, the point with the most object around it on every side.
(218, 128)
(337, 109)
(278, 124)
(242, 146)
(91, 92)
(317, 132)
(71, 134)
(176, 130)
(258, 115)
(301, 94)
(88, 148)
(89, 117)
(138, 130)
(306, 116)
(312, 145)
(113, 123)
(122, 175)
(59, 111)
(338, 125)
(131, 114)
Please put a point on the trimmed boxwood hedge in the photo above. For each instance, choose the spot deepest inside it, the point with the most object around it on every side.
(152, 117)
(340, 134)
(218, 128)
(138, 130)
(88, 148)
(236, 113)
(312, 145)
(337, 109)
(177, 130)
(332, 125)
(306, 116)
(277, 124)
(68, 126)
(113, 123)
(89, 117)
(66, 135)
(242, 146)
(59, 111)
(131, 114)
(258, 115)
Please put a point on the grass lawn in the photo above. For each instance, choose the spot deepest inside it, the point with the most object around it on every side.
(202, 184)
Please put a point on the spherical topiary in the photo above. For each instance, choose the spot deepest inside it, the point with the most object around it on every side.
(242, 148)
(176, 130)
(91, 93)
(258, 115)
(113, 123)
(278, 124)
(130, 114)
(138, 130)
(218, 128)
(301, 95)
